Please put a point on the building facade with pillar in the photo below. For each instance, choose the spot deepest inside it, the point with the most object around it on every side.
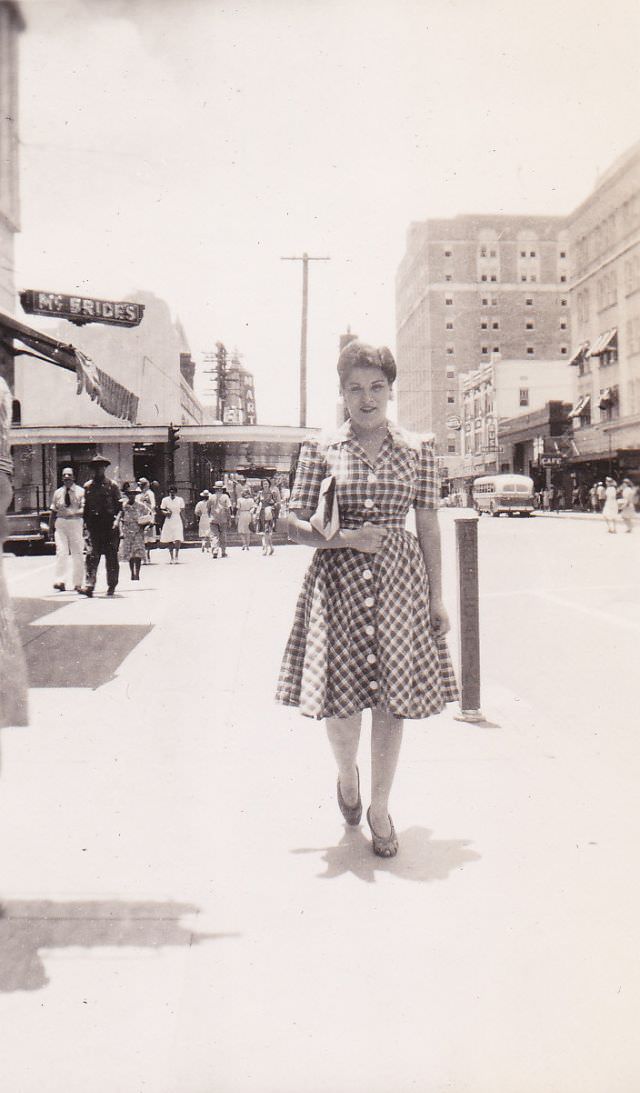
(11, 24)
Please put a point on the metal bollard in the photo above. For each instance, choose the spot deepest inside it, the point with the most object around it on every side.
(468, 616)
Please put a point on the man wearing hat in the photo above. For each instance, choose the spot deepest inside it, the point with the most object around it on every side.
(218, 507)
(101, 508)
(67, 505)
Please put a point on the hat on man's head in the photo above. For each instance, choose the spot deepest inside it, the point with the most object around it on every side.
(205, 493)
(219, 485)
(97, 459)
(133, 487)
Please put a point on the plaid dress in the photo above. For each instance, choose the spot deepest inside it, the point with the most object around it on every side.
(361, 634)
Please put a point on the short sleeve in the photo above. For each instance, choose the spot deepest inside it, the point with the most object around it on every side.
(309, 474)
(427, 485)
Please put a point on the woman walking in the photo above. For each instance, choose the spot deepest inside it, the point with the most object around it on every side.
(204, 523)
(268, 499)
(369, 627)
(610, 507)
(148, 497)
(245, 509)
(172, 532)
(131, 521)
(628, 495)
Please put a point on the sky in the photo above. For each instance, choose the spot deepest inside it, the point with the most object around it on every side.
(184, 147)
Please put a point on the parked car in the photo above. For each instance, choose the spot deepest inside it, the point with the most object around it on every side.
(28, 530)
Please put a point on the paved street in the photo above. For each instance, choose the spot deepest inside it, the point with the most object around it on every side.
(185, 912)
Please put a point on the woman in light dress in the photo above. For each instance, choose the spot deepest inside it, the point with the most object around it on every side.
(148, 497)
(201, 511)
(132, 544)
(628, 496)
(172, 533)
(245, 509)
(610, 509)
(13, 673)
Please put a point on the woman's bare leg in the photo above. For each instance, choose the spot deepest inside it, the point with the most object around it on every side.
(386, 738)
(344, 737)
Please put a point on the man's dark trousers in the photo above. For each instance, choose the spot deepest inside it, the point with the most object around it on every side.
(104, 540)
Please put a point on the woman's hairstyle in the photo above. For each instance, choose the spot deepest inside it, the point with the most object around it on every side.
(172, 486)
(360, 355)
(263, 480)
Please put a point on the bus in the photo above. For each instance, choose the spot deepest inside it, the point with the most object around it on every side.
(498, 493)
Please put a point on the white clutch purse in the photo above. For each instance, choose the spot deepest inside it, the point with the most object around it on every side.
(326, 518)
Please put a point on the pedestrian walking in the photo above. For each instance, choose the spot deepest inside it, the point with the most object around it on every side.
(369, 626)
(102, 505)
(172, 534)
(601, 495)
(610, 507)
(546, 499)
(131, 523)
(204, 524)
(148, 497)
(593, 497)
(67, 507)
(13, 673)
(627, 504)
(267, 508)
(245, 509)
(219, 507)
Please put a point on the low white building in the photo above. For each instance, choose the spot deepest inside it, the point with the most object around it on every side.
(504, 389)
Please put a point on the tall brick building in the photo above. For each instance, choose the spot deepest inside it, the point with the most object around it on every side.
(469, 290)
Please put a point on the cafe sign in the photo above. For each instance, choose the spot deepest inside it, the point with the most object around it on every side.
(81, 309)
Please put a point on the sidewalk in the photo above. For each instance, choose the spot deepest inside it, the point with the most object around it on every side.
(185, 911)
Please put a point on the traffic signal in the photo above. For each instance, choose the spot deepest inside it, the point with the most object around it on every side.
(173, 437)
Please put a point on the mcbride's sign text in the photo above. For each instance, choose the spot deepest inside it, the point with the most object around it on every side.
(81, 309)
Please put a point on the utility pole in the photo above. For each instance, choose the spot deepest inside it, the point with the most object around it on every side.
(305, 259)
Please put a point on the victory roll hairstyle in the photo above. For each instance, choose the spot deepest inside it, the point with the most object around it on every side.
(358, 354)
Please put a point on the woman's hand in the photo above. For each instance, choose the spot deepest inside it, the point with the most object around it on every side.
(439, 618)
(368, 539)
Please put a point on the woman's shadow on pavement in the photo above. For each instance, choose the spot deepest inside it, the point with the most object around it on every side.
(420, 857)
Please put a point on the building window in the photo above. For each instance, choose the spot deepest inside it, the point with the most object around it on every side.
(529, 301)
(451, 398)
(451, 373)
(529, 350)
(524, 396)
(448, 301)
(563, 254)
(496, 349)
(483, 252)
(484, 325)
(448, 326)
(448, 277)
(450, 350)
(532, 254)
(563, 350)
(563, 302)
(529, 325)
(495, 325)
(493, 277)
(485, 301)
(563, 276)
(451, 446)
(523, 254)
(483, 277)
(447, 254)
(563, 324)
(523, 277)
(484, 349)
(494, 301)
(532, 277)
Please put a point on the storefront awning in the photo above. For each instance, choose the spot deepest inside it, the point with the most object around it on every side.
(581, 407)
(581, 352)
(608, 340)
(101, 388)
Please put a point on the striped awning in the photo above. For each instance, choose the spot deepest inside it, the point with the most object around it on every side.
(112, 396)
(581, 407)
(608, 340)
(581, 352)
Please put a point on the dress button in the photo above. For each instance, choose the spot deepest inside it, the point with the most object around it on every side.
(371, 658)
(369, 631)
(373, 686)
(369, 602)
(367, 574)
(368, 503)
